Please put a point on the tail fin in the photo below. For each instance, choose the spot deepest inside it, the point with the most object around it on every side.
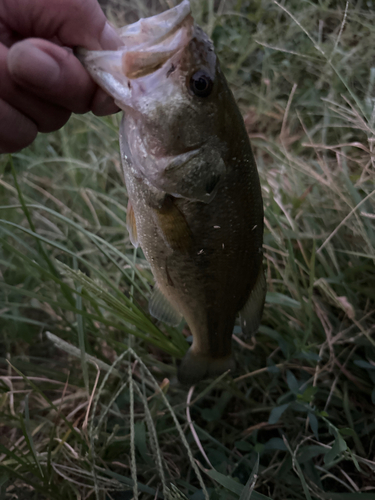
(196, 366)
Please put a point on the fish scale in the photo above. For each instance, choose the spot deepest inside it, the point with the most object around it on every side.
(195, 203)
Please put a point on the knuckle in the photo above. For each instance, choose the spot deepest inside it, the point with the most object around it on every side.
(54, 122)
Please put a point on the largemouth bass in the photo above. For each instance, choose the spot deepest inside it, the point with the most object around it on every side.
(195, 203)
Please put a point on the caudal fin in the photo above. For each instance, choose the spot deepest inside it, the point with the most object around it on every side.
(196, 366)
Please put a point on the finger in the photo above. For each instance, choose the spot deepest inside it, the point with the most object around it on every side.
(16, 130)
(51, 72)
(55, 74)
(74, 22)
(46, 116)
(102, 104)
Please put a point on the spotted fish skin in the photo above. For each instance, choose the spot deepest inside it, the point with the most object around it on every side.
(195, 197)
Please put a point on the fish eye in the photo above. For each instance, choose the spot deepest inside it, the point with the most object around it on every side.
(201, 84)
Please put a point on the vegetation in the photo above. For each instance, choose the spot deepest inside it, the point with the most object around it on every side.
(89, 403)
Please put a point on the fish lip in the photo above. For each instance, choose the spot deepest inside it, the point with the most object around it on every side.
(152, 30)
(151, 42)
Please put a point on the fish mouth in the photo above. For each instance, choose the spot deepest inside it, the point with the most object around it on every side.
(147, 45)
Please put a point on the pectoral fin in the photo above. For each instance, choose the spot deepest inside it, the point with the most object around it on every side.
(194, 175)
(131, 225)
(161, 309)
(251, 314)
(173, 226)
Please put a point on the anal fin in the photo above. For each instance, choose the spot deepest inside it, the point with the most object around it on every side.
(132, 225)
(251, 313)
(161, 309)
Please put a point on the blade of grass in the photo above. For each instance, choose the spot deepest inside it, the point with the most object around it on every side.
(32, 227)
(28, 436)
(81, 332)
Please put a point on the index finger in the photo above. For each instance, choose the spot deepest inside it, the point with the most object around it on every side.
(71, 22)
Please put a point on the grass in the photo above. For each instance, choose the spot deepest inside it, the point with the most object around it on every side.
(89, 403)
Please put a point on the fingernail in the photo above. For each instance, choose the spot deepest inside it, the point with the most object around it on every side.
(28, 64)
(109, 39)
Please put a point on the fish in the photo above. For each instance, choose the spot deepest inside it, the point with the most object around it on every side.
(195, 202)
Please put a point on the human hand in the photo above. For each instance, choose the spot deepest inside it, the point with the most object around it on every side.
(41, 81)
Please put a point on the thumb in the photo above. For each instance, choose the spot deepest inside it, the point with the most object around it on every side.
(83, 23)
(109, 39)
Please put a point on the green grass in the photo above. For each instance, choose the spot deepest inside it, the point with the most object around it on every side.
(89, 403)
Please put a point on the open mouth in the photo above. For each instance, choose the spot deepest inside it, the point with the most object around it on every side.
(147, 45)
(154, 30)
